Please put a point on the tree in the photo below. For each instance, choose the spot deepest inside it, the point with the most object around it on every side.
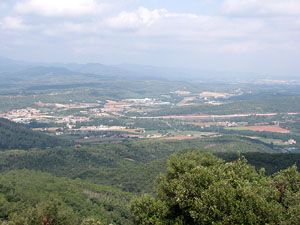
(92, 221)
(287, 183)
(202, 189)
(50, 212)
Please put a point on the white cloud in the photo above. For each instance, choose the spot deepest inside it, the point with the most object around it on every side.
(161, 22)
(261, 7)
(162, 29)
(184, 27)
(13, 23)
(132, 20)
(60, 7)
(113, 29)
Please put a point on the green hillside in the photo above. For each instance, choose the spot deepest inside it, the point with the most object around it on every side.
(263, 105)
(23, 192)
(16, 136)
(96, 183)
(129, 166)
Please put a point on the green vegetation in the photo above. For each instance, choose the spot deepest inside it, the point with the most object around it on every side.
(92, 183)
(201, 189)
(279, 105)
(263, 134)
(97, 182)
(129, 166)
(272, 163)
(293, 126)
(16, 136)
(28, 195)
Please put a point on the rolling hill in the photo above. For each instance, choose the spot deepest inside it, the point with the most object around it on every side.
(16, 136)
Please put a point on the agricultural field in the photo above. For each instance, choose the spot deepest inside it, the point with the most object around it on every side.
(121, 111)
(109, 138)
(275, 129)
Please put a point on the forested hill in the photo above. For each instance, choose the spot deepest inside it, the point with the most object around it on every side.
(17, 136)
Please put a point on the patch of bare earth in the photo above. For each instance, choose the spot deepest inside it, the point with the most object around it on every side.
(269, 129)
(214, 94)
(129, 159)
(186, 101)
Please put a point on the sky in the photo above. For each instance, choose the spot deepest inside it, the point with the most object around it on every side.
(261, 36)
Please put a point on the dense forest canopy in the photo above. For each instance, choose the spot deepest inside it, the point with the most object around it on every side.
(102, 181)
(202, 189)
(26, 196)
(17, 136)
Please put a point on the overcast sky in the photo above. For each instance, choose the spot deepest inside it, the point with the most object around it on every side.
(234, 35)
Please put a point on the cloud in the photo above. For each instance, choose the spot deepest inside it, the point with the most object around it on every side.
(116, 30)
(259, 7)
(64, 8)
(184, 27)
(133, 20)
(13, 23)
(158, 29)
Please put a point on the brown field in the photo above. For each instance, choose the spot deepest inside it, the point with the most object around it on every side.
(268, 128)
(214, 94)
(113, 106)
(186, 101)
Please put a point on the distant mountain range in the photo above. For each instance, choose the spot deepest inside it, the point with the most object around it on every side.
(12, 71)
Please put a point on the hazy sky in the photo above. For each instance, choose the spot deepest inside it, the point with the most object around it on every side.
(235, 35)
